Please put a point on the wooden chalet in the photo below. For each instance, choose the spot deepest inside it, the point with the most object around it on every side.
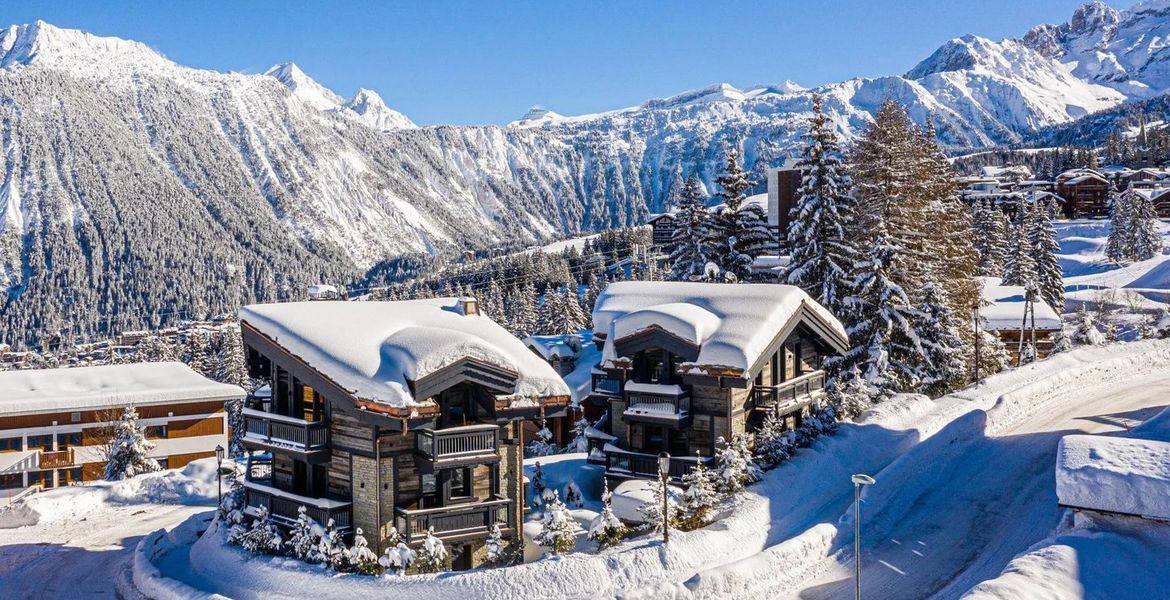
(685, 364)
(662, 225)
(383, 415)
(1006, 314)
(1086, 193)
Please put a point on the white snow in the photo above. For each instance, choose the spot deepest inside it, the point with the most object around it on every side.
(732, 324)
(107, 386)
(373, 349)
(1005, 308)
(1114, 474)
(629, 497)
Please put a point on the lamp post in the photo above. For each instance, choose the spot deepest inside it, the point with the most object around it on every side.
(219, 471)
(975, 324)
(663, 469)
(858, 481)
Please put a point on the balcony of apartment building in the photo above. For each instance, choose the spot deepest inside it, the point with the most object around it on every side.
(664, 404)
(287, 417)
(283, 490)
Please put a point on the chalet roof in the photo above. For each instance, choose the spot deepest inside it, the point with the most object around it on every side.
(107, 386)
(732, 325)
(1083, 178)
(1004, 308)
(660, 216)
(376, 350)
(1114, 474)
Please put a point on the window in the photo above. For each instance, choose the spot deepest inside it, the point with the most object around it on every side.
(68, 476)
(43, 478)
(67, 440)
(10, 444)
(156, 432)
(41, 442)
(11, 481)
(75, 417)
(460, 484)
(163, 462)
(429, 486)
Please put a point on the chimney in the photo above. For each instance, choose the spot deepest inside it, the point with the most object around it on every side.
(468, 306)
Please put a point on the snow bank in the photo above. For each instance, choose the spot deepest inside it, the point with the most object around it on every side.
(373, 349)
(194, 484)
(1113, 474)
(148, 580)
(629, 497)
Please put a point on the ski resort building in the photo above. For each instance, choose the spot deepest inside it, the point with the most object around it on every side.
(684, 364)
(55, 424)
(662, 226)
(385, 415)
(1086, 193)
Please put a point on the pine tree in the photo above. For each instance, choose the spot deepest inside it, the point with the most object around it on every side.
(304, 540)
(558, 531)
(333, 548)
(432, 556)
(652, 510)
(991, 238)
(262, 537)
(736, 466)
(232, 367)
(398, 556)
(1020, 266)
(494, 546)
(606, 529)
(129, 449)
(700, 498)
(689, 254)
(542, 444)
(197, 352)
(573, 496)
(580, 441)
(1086, 332)
(824, 253)
(1143, 222)
(775, 443)
(738, 232)
(1042, 237)
(1119, 246)
(938, 333)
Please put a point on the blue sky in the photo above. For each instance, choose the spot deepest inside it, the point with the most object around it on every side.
(485, 62)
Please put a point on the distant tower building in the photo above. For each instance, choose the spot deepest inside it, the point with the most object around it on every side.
(783, 183)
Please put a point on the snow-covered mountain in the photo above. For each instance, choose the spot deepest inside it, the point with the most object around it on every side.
(134, 186)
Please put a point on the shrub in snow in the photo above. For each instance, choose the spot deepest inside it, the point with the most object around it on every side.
(398, 556)
(558, 532)
(606, 529)
(775, 443)
(333, 551)
(579, 443)
(736, 467)
(1086, 333)
(304, 540)
(652, 511)
(542, 445)
(129, 449)
(1028, 354)
(537, 485)
(700, 498)
(573, 496)
(432, 557)
(494, 547)
(824, 420)
(363, 559)
(1060, 342)
(262, 537)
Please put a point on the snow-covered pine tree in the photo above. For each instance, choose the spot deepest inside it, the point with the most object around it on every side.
(689, 253)
(537, 485)
(129, 449)
(573, 496)
(522, 306)
(652, 509)
(552, 306)
(700, 498)
(262, 537)
(991, 236)
(197, 352)
(542, 444)
(363, 559)
(937, 330)
(737, 233)
(432, 556)
(580, 442)
(736, 466)
(824, 253)
(1086, 332)
(1119, 245)
(1146, 239)
(333, 549)
(775, 442)
(1019, 266)
(232, 365)
(494, 546)
(304, 540)
(606, 529)
(398, 556)
(558, 531)
(1042, 236)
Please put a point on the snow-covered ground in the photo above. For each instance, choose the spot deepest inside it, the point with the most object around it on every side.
(1091, 279)
(74, 542)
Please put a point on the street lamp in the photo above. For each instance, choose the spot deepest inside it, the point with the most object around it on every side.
(663, 469)
(858, 481)
(219, 471)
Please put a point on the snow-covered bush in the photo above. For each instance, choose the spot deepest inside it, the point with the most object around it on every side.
(537, 485)
(262, 537)
(494, 547)
(1086, 333)
(129, 449)
(542, 444)
(558, 531)
(700, 498)
(432, 556)
(579, 443)
(333, 550)
(652, 511)
(573, 496)
(304, 540)
(398, 556)
(823, 419)
(736, 467)
(775, 443)
(606, 529)
(1028, 354)
(363, 559)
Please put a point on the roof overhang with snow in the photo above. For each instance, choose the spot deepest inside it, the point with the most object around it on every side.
(41, 391)
(1004, 307)
(1115, 475)
(391, 357)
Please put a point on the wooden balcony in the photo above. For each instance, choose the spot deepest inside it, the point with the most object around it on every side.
(789, 395)
(56, 460)
(638, 465)
(283, 506)
(660, 404)
(450, 523)
(456, 444)
(282, 432)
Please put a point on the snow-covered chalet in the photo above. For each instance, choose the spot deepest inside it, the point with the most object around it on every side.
(392, 414)
(684, 364)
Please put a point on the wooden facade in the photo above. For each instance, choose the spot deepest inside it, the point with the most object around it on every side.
(1085, 195)
(455, 468)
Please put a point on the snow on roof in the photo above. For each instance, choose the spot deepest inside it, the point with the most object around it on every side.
(1005, 308)
(654, 217)
(1114, 474)
(321, 289)
(107, 386)
(372, 349)
(550, 346)
(732, 323)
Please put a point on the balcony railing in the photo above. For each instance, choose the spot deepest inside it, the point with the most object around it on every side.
(792, 391)
(282, 430)
(657, 402)
(456, 521)
(57, 460)
(284, 506)
(637, 464)
(458, 442)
